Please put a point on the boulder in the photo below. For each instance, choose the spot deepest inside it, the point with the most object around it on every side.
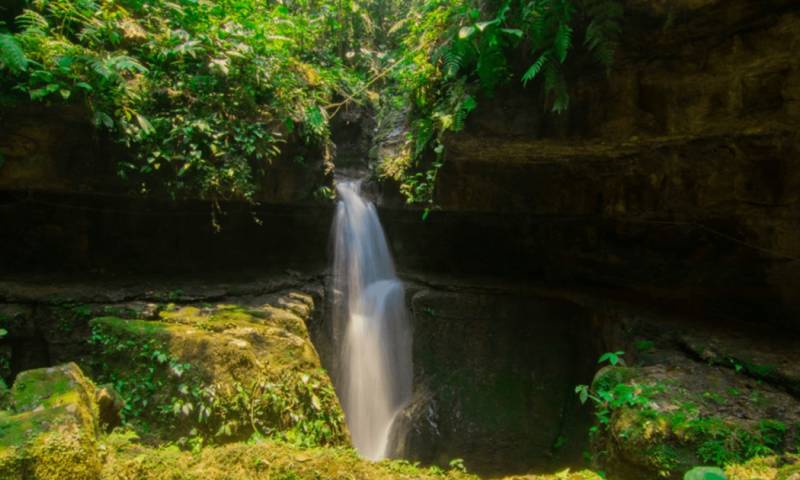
(661, 420)
(222, 372)
(51, 431)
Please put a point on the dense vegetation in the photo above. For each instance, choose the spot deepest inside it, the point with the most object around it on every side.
(454, 52)
(206, 94)
(203, 93)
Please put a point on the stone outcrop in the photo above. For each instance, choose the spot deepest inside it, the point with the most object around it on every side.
(222, 371)
(674, 177)
(690, 394)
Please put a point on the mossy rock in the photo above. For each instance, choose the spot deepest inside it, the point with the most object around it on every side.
(222, 372)
(51, 434)
(689, 414)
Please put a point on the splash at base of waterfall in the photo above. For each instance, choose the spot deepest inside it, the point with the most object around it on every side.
(375, 365)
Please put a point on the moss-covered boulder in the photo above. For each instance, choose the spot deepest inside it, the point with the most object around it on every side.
(222, 372)
(51, 431)
(659, 421)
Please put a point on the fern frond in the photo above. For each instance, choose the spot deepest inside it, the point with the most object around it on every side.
(562, 41)
(12, 56)
(555, 85)
(534, 69)
(603, 31)
(99, 66)
(31, 20)
(492, 65)
(453, 61)
(466, 105)
(124, 63)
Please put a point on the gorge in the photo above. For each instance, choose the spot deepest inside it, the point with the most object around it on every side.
(611, 291)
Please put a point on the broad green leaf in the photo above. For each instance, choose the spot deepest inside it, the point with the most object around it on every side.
(466, 32)
(145, 124)
(705, 473)
(484, 25)
(515, 32)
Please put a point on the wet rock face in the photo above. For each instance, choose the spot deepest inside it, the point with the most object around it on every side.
(57, 150)
(675, 177)
(494, 382)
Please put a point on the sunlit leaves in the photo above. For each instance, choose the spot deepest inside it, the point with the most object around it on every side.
(200, 92)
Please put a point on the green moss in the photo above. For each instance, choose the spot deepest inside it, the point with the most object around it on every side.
(53, 435)
(256, 460)
(787, 472)
(217, 374)
(36, 387)
(122, 326)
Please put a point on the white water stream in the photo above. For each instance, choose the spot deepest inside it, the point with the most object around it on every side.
(375, 365)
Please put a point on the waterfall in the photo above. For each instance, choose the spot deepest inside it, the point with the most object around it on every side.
(375, 367)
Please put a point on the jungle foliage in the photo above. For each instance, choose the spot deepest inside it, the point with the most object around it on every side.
(205, 95)
(455, 52)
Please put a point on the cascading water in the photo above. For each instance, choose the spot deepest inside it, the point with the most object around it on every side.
(375, 365)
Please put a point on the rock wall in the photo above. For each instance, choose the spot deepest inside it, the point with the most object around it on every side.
(55, 149)
(495, 373)
(675, 177)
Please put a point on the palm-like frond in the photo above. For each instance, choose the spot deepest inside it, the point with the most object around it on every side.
(12, 56)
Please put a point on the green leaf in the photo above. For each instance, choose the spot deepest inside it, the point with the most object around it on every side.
(705, 473)
(484, 25)
(583, 392)
(145, 124)
(514, 32)
(101, 118)
(613, 358)
(466, 32)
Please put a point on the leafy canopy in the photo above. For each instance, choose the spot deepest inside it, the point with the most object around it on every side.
(453, 51)
(206, 93)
